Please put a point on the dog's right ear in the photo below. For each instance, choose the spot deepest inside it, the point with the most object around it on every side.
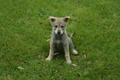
(52, 19)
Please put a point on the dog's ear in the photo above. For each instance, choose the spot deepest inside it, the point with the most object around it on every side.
(52, 19)
(66, 19)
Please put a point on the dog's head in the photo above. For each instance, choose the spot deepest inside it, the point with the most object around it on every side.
(59, 24)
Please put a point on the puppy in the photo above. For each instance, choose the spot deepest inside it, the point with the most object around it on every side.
(60, 42)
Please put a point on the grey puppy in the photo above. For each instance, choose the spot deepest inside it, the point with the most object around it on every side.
(60, 42)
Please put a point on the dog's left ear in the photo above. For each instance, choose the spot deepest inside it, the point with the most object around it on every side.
(66, 19)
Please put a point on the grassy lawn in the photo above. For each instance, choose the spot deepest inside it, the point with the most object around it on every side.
(25, 30)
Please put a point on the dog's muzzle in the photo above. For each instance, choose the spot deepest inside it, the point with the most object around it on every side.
(59, 32)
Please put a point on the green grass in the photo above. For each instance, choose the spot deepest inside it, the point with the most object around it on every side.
(25, 29)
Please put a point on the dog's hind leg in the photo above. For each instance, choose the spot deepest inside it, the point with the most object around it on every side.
(72, 48)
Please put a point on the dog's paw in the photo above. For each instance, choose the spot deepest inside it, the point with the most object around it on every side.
(75, 52)
(48, 59)
(69, 61)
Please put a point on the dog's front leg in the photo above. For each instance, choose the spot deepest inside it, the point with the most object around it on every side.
(51, 52)
(67, 54)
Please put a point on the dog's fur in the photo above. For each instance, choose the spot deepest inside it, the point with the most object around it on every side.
(60, 42)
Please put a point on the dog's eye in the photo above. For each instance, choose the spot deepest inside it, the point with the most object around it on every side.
(55, 26)
(62, 26)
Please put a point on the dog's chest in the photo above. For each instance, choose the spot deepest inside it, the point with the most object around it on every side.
(58, 42)
(59, 46)
(58, 39)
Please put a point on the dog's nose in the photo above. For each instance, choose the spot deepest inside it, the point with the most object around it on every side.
(58, 32)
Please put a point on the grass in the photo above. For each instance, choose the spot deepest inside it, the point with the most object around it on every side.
(25, 29)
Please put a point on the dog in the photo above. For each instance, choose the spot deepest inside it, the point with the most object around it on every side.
(60, 42)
